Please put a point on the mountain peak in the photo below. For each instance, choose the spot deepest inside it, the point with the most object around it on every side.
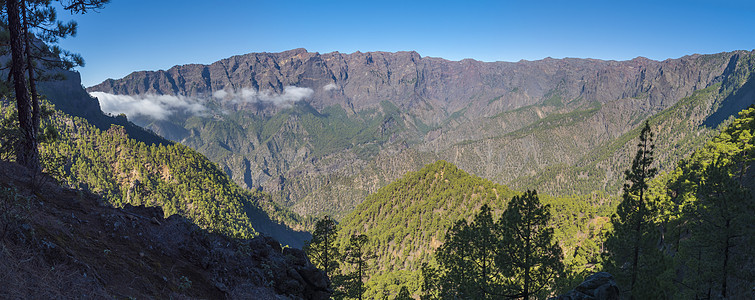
(293, 52)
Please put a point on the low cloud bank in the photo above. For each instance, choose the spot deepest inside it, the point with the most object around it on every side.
(160, 107)
(290, 95)
(157, 107)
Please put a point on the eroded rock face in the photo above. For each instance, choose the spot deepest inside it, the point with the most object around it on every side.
(361, 80)
(503, 121)
(598, 286)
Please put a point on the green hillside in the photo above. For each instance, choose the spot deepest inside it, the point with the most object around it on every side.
(408, 219)
(706, 207)
(174, 177)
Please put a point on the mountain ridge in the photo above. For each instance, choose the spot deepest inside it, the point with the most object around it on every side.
(370, 117)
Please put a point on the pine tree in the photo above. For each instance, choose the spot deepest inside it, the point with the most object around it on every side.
(714, 225)
(403, 294)
(634, 237)
(24, 17)
(468, 259)
(516, 257)
(356, 256)
(322, 249)
(528, 248)
(718, 225)
(26, 153)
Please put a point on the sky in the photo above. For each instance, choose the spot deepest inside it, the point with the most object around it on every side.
(135, 35)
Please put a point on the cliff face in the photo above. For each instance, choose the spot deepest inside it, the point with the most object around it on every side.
(362, 80)
(361, 120)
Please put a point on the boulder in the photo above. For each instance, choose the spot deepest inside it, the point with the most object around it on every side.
(598, 286)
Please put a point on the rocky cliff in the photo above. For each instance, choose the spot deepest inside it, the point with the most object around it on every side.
(320, 131)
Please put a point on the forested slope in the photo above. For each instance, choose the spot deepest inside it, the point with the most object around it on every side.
(700, 218)
(172, 176)
(407, 220)
(705, 210)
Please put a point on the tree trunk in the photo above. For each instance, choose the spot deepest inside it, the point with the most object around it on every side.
(726, 259)
(528, 234)
(359, 280)
(636, 254)
(326, 260)
(30, 68)
(26, 153)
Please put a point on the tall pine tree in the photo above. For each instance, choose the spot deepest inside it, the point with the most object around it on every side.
(23, 18)
(715, 225)
(514, 258)
(467, 260)
(322, 249)
(632, 246)
(355, 254)
(528, 248)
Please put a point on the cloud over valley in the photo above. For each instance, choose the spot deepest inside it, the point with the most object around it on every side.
(290, 95)
(160, 107)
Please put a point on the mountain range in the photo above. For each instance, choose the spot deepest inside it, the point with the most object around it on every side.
(319, 132)
(392, 155)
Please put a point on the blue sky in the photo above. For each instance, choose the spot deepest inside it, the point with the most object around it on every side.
(132, 35)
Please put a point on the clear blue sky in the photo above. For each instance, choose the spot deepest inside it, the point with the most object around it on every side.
(132, 35)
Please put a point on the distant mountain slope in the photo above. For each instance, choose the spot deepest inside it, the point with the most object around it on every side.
(59, 243)
(321, 131)
(363, 80)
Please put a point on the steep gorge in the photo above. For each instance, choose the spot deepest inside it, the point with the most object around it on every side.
(561, 125)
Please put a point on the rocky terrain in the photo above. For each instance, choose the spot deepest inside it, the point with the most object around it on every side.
(321, 131)
(61, 243)
(600, 285)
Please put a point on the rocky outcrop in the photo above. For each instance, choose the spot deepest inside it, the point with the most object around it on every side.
(65, 243)
(598, 286)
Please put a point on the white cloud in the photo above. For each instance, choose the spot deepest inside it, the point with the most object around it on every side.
(157, 107)
(290, 95)
(329, 86)
(220, 94)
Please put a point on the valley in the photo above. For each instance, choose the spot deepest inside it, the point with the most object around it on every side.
(376, 150)
(359, 121)
(407, 145)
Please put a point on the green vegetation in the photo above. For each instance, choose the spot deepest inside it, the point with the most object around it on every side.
(677, 137)
(407, 220)
(430, 211)
(705, 207)
(30, 34)
(632, 230)
(351, 284)
(553, 98)
(322, 133)
(174, 177)
(515, 257)
(557, 120)
(321, 249)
